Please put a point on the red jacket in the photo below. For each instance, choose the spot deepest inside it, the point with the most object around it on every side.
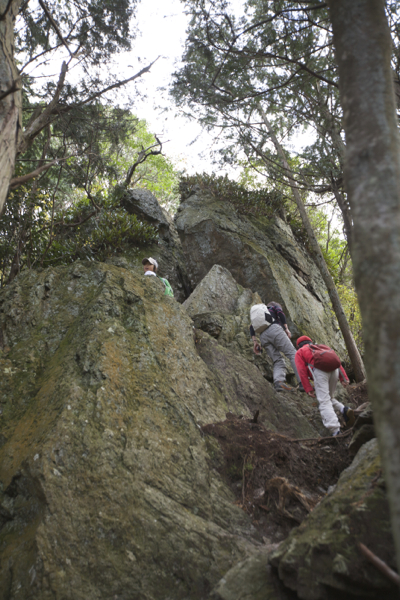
(305, 357)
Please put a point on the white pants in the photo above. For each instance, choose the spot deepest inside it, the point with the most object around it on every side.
(325, 387)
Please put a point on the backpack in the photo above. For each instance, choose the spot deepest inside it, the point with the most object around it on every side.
(168, 289)
(325, 359)
(260, 317)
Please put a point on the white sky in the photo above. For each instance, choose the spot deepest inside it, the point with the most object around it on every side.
(162, 29)
(161, 26)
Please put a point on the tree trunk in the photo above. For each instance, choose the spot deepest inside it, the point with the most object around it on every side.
(10, 96)
(372, 173)
(344, 208)
(352, 349)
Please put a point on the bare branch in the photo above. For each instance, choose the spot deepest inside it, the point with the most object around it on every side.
(17, 181)
(380, 564)
(143, 155)
(54, 25)
(111, 87)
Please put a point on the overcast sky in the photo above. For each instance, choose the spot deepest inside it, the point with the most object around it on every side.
(162, 25)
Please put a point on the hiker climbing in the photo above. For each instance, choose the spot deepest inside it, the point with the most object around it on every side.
(269, 322)
(150, 266)
(322, 364)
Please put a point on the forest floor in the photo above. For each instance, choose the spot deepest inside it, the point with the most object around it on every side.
(278, 480)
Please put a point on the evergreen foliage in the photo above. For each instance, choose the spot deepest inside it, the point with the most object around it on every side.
(261, 202)
(276, 57)
(73, 210)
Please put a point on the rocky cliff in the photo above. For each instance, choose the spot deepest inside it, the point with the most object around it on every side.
(262, 255)
(116, 481)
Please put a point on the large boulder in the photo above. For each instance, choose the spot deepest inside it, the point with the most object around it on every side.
(220, 307)
(252, 579)
(240, 381)
(168, 249)
(262, 255)
(107, 490)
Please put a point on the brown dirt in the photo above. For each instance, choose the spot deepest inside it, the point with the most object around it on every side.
(358, 393)
(276, 480)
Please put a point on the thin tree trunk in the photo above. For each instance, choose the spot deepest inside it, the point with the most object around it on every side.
(352, 349)
(10, 96)
(348, 227)
(372, 174)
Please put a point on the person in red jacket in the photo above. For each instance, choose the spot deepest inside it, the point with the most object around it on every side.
(325, 386)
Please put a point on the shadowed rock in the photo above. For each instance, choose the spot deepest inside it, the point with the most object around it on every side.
(168, 250)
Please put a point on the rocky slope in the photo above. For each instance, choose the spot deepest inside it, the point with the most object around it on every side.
(112, 485)
(321, 560)
(107, 487)
(261, 255)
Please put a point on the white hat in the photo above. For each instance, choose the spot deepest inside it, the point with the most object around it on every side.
(150, 260)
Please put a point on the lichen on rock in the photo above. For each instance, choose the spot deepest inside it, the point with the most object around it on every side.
(106, 482)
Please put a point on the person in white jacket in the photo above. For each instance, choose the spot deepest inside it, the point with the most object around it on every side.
(276, 341)
(150, 266)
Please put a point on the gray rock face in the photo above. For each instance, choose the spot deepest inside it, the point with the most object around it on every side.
(362, 434)
(221, 307)
(219, 292)
(252, 579)
(168, 252)
(144, 205)
(107, 490)
(363, 429)
(261, 255)
(239, 380)
(228, 320)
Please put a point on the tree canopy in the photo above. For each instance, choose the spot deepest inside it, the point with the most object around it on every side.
(73, 210)
(274, 57)
(64, 61)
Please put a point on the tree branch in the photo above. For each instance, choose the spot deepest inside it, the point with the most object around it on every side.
(17, 181)
(111, 87)
(36, 126)
(44, 118)
(54, 25)
(143, 155)
(380, 564)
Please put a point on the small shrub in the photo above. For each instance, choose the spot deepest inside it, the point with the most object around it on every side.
(110, 232)
(258, 202)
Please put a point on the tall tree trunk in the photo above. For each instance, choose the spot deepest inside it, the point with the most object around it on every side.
(352, 349)
(10, 96)
(372, 174)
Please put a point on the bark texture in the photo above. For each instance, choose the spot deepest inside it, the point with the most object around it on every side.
(352, 349)
(10, 96)
(372, 171)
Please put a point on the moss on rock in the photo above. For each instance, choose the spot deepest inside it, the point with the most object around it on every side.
(107, 486)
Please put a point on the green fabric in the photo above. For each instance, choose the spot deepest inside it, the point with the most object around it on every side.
(168, 289)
